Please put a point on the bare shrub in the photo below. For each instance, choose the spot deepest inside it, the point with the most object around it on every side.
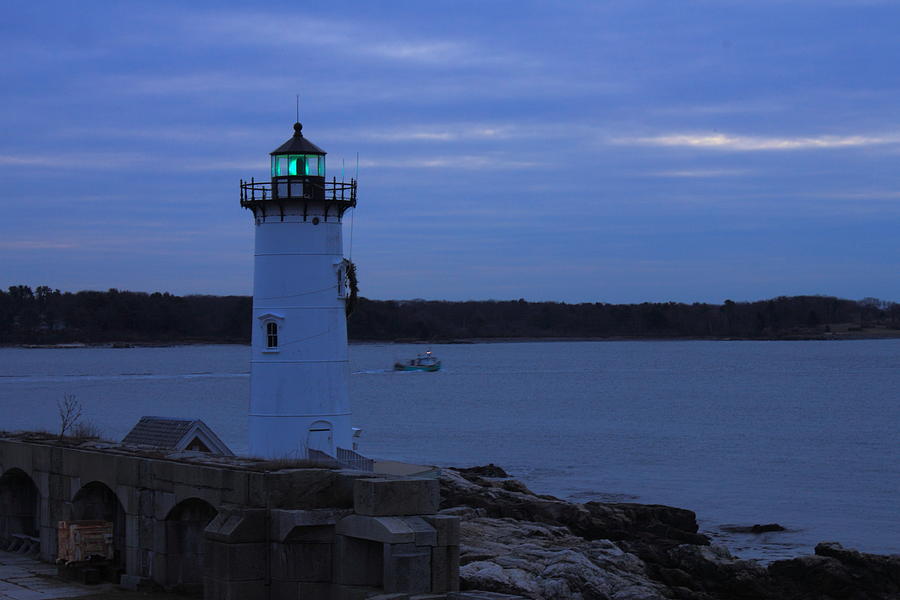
(69, 413)
(86, 431)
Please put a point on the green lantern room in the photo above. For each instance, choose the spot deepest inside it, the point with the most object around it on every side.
(298, 168)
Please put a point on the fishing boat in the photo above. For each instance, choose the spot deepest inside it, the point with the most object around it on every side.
(423, 362)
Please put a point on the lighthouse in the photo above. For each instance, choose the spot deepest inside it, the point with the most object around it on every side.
(299, 399)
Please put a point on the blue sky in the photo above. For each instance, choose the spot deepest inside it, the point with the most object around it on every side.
(571, 151)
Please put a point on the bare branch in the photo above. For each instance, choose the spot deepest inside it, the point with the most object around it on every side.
(69, 413)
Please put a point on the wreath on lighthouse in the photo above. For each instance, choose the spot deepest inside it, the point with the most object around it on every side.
(349, 269)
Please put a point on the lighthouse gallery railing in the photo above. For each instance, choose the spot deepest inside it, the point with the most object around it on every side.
(330, 191)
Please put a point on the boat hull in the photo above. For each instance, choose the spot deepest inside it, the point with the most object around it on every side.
(426, 368)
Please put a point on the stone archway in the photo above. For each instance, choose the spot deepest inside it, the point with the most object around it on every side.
(19, 511)
(96, 502)
(186, 545)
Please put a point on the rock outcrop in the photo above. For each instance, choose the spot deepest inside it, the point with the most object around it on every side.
(767, 528)
(836, 572)
(516, 542)
(662, 525)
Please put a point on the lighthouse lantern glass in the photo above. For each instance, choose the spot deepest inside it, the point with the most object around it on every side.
(298, 164)
(279, 165)
(313, 165)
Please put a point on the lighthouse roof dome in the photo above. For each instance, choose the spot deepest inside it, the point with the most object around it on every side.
(298, 144)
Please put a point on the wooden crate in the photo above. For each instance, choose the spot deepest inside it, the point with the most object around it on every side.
(85, 540)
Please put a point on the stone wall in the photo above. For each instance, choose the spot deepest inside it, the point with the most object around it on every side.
(232, 532)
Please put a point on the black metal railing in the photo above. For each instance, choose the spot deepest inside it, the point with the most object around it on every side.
(298, 189)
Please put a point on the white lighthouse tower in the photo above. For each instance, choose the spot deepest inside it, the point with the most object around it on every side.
(299, 401)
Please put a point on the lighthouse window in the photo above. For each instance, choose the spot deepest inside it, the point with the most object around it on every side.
(279, 165)
(298, 164)
(271, 335)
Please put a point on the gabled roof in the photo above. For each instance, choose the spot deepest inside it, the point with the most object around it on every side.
(298, 144)
(175, 434)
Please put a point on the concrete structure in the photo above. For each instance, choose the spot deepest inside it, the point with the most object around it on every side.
(23, 578)
(299, 402)
(230, 528)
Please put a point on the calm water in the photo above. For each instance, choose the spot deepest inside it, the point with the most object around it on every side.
(806, 434)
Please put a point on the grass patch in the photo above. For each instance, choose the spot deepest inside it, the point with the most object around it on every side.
(85, 432)
(281, 464)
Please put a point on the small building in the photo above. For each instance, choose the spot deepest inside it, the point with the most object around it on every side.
(176, 434)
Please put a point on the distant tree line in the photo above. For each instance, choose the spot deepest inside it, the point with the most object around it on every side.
(797, 316)
(48, 316)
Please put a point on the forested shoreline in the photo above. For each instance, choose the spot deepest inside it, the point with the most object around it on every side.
(46, 316)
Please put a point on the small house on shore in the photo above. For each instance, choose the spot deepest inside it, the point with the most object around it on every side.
(176, 434)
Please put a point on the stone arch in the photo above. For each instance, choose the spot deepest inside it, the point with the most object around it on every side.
(186, 544)
(95, 501)
(20, 510)
(208, 495)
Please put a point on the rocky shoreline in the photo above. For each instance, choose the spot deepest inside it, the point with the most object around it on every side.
(516, 542)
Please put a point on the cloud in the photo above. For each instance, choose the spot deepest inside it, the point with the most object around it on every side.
(25, 161)
(456, 162)
(884, 195)
(702, 173)
(721, 141)
(761, 105)
(35, 245)
(118, 161)
(344, 37)
(34, 52)
(424, 86)
(194, 83)
(268, 30)
(464, 131)
(73, 161)
(430, 52)
(225, 165)
(442, 133)
(181, 133)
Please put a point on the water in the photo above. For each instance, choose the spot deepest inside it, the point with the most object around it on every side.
(806, 434)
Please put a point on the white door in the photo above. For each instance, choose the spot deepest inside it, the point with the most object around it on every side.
(319, 438)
